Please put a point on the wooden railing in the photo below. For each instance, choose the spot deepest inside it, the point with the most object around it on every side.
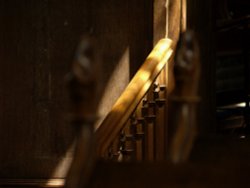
(138, 127)
(113, 138)
(121, 131)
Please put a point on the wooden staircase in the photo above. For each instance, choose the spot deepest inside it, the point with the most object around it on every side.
(155, 144)
(148, 138)
(150, 122)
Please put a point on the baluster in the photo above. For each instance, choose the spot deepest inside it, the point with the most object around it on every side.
(138, 123)
(123, 145)
(133, 128)
(127, 148)
(149, 117)
(117, 156)
(114, 153)
(144, 112)
(160, 121)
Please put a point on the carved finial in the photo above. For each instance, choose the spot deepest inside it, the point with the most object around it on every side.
(184, 98)
(83, 79)
(187, 67)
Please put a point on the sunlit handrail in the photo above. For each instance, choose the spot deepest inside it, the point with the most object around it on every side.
(161, 54)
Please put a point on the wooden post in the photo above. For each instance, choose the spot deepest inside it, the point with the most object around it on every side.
(83, 93)
(183, 99)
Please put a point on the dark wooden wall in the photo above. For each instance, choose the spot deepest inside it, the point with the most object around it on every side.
(37, 41)
(37, 45)
(201, 19)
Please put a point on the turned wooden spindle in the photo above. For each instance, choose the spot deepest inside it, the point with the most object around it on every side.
(183, 99)
(149, 118)
(128, 144)
(138, 124)
(82, 83)
(114, 153)
(160, 125)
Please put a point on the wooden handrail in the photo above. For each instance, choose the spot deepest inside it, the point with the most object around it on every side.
(137, 88)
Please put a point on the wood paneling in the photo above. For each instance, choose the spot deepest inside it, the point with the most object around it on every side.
(38, 42)
(38, 39)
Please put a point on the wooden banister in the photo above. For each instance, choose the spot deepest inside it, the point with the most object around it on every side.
(136, 128)
(133, 94)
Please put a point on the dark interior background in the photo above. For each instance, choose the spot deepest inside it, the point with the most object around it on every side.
(38, 39)
(37, 42)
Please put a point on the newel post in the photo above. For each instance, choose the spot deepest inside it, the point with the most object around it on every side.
(184, 98)
(82, 83)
